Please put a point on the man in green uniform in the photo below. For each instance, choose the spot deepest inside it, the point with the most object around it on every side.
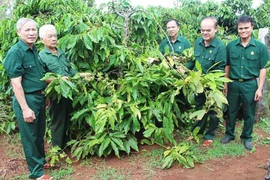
(55, 61)
(246, 60)
(174, 43)
(210, 52)
(23, 66)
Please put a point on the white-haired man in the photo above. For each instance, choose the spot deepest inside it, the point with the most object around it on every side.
(25, 70)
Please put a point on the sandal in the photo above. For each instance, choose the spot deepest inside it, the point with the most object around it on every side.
(45, 177)
(207, 143)
(47, 166)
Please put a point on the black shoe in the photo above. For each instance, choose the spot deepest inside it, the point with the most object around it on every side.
(226, 140)
(248, 145)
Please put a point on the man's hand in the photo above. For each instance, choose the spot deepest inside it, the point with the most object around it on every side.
(181, 69)
(225, 89)
(48, 103)
(28, 115)
(258, 95)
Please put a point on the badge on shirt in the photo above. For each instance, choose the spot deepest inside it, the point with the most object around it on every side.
(180, 47)
(210, 51)
(252, 53)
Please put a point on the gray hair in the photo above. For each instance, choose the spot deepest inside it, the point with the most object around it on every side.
(43, 29)
(23, 21)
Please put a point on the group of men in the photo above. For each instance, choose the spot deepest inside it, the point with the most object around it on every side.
(25, 67)
(243, 60)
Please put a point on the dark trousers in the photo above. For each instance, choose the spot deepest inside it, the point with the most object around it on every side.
(241, 93)
(211, 115)
(32, 134)
(60, 119)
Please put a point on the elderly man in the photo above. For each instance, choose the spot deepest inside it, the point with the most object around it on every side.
(55, 61)
(210, 52)
(23, 66)
(175, 43)
(246, 61)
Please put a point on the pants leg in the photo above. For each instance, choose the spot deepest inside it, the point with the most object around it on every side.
(213, 125)
(60, 118)
(233, 108)
(32, 134)
(248, 90)
(199, 102)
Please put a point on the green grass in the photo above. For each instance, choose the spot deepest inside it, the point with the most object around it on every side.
(108, 173)
(153, 158)
(62, 173)
(20, 177)
(264, 125)
(218, 150)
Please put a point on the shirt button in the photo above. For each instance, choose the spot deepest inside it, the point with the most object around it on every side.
(243, 58)
(241, 66)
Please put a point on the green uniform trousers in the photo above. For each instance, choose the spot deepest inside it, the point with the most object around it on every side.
(213, 123)
(32, 134)
(241, 93)
(60, 118)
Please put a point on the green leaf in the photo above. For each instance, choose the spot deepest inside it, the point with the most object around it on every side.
(190, 161)
(119, 142)
(133, 143)
(103, 146)
(167, 163)
(198, 114)
(148, 132)
(115, 149)
(146, 141)
(68, 160)
(87, 42)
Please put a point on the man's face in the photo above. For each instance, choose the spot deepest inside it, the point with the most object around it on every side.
(208, 30)
(50, 39)
(245, 30)
(28, 33)
(172, 29)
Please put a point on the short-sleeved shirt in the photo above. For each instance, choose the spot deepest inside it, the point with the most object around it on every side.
(246, 62)
(23, 61)
(211, 57)
(57, 64)
(178, 46)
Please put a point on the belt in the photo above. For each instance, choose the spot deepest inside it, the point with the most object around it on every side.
(40, 92)
(242, 80)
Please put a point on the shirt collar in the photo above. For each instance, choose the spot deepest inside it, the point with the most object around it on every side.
(24, 46)
(177, 39)
(213, 43)
(251, 42)
(46, 50)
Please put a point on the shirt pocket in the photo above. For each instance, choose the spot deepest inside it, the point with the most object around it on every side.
(208, 61)
(235, 58)
(29, 68)
(252, 59)
(197, 56)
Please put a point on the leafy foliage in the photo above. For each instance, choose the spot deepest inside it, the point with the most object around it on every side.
(125, 96)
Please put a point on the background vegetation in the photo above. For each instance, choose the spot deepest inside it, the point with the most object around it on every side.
(126, 100)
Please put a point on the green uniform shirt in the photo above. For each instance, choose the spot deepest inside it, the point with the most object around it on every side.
(246, 62)
(178, 46)
(25, 62)
(56, 64)
(212, 57)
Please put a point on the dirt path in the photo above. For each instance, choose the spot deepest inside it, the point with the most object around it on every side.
(249, 167)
